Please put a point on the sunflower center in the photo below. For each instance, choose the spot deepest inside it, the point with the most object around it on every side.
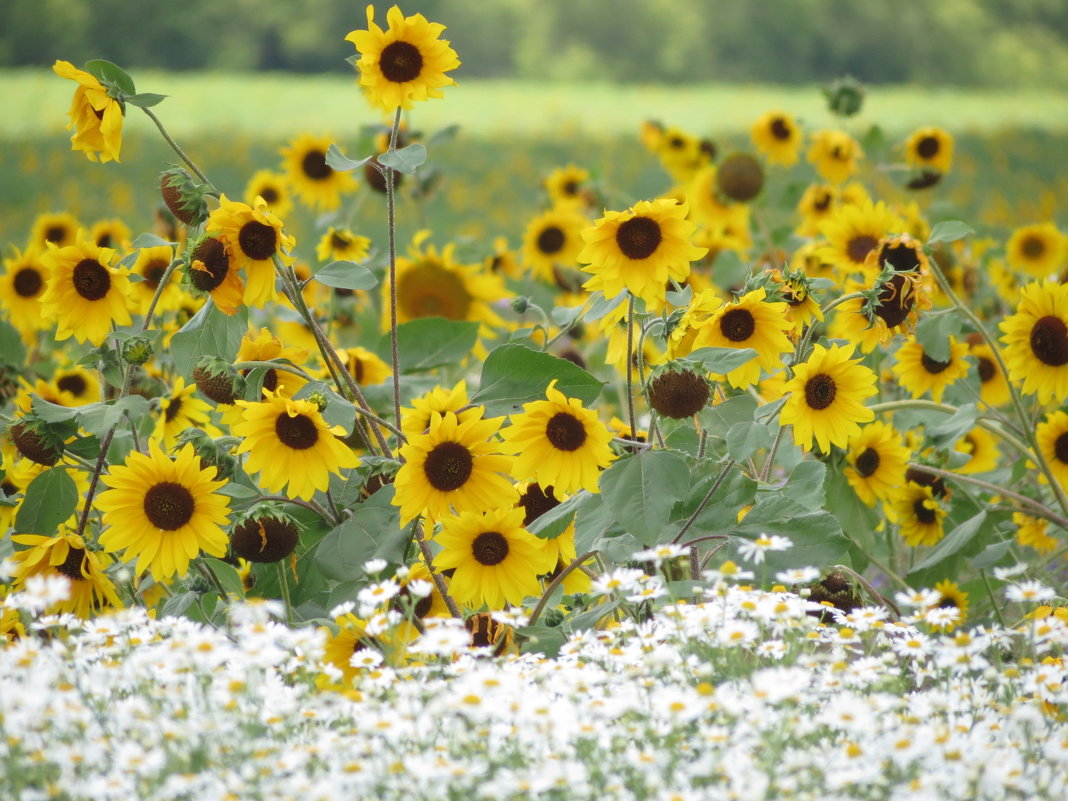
(8, 488)
(104, 240)
(297, 431)
(536, 502)
(490, 548)
(212, 254)
(902, 258)
(257, 240)
(91, 280)
(173, 409)
(1060, 448)
(737, 325)
(269, 195)
(1033, 247)
(551, 240)
(779, 129)
(867, 463)
(153, 272)
(928, 147)
(565, 432)
(895, 301)
(933, 366)
(925, 479)
(820, 391)
(948, 603)
(72, 565)
(1049, 341)
(924, 513)
(356, 368)
(859, 247)
(400, 62)
(28, 282)
(169, 505)
(74, 384)
(570, 188)
(431, 291)
(55, 233)
(639, 237)
(315, 167)
(448, 466)
(823, 201)
(339, 241)
(986, 369)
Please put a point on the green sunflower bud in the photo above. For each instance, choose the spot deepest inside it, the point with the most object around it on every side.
(845, 96)
(137, 349)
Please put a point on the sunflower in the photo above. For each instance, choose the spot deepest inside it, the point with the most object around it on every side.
(703, 202)
(854, 231)
(456, 466)
(835, 154)
(877, 459)
(290, 445)
(817, 204)
(929, 148)
(902, 252)
(180, 411)
(1052, 437)
(75, 386)
(163, 511)
(751, 321)
(566, 186)
(61, 229)
(1038, 250)
(553, 238)
(825, 398)
(316, 183)
(406, 62)
(416, 418)
(274, 190)
(497, 561)
(432, 605)
(558, 443)
(802, 309)
(640, 249)
(21, 287)
(85, 294)
(1033, 532)
(895, 309)
(151, 264)
(95, 116)
(254, 236)
(680, 153)
(1036, 341)
(777, 135)
(213, 270)
(952, 596)
(341, 244)
(365, 367)
(983, 450)
(535, 502)
(919, 373)
(993, 386)
(918, 514)
(65, 554)
(351, 638)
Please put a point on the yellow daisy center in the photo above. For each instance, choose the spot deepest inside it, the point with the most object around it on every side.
(551, 240)
(56, 233)
(779, 129)
(489, 548)
(28, 282)
(91, 280)
(565, 432)
(298, 431)
(867, 463)
(639, 237)
(401, 62)
(448, 466)
(257, 240)
(270, 194)
(737, 325)
(169, 506)
(1049, 341)
(820, 391)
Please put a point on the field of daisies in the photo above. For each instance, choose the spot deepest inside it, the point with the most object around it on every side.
(740, 489)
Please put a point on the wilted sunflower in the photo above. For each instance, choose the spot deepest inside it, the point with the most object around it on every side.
(406, 62)
(777, 135)
(290, 445)
(1052, 436)
(21, 287)
(95, 116)
(341, 244)
(213, 271)
(151, 264)
(65, 554)
(558, 443)
(497, 561)
(918, 514)
(749, 322)
(640, 249)
(85, 294)
(854, 231)
(553, 238)
(826, 398)
(1038, 250)
(952, 596)
(902, 252)
(917, 372)
(981, 446)
(163, 511)
(255, 238)
(454, 466)
(930, 147)
(877, 459)
(316, 183)
(274, 190)
(566, 186)
(1036, 341)
(835, 154)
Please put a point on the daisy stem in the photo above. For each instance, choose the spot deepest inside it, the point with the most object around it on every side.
(704, 501)
(283, 585)
(391, 230)
(159, 293)
(993, 601)
(175, 147)
(556, 582)
(435, 576)
(630, 365)
(209, 574)
(931, 406)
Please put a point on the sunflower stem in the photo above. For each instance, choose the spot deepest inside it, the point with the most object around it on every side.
(630, 361)
(765, 471)
(931, 406)
(435, 576)
(285, 368)
(159, 293)
(209, 574)
(556, 582)
(705, 500)
(993, 600)
(176, 148)
(391, 230)
(283, 585)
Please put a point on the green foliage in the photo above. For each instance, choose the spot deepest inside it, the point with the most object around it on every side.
(346, 275)
(371, 533)
(50, 499)
(514, 374)
(208, 333)
(431, 342)
(640, 491)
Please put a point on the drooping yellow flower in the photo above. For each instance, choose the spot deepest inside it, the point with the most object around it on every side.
(95, 116)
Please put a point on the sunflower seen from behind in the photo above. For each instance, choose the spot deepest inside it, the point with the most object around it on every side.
(778, 137)
(163, 512)
(95, 116)
(825, 398)
(496, 560)
(919, 373)
(876, 459)
(315, 182)
(254, 239)
(290, 445)
(406, 62)
(1036, 341)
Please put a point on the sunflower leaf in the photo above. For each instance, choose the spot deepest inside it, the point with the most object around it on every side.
(552, 524)
(745, 439)
(640, 490)
(371, 532)
(430, 342)
(949, 231)
(227, 576)
(513, 374)
(111, 75)
(346, 275)
(721, 360)
(209, 332)
(50, 499)
(146, 99)
(405, 160)
(953, 542)
(338, 161)
(150, 241)
(816, 536)
(933, 333)
(14, 352)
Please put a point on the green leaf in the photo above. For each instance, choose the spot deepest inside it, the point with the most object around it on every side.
(11, 347)
(992, 554)
(769, 410)
(145, 99)
(431, 342)
(602, 305)
(111, 74)
(953, 542)
(933, 333)
(346, 275)
(101, 418)
(405, 160)
(338, 161)
(150, 241)
(551, 525)
(816, 536)
(50, 500)
(744, 439)
(208, 333)
(953, 427)
(640, 490)
(721, 360)
(856, 518)
(722, 416)
(372, 532)
(949, 231)
(805, 484)
(227, 575)
(443, 135)
(338, 411)
(538, 639)
(514, 374)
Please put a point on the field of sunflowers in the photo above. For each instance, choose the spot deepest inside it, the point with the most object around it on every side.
(668, 463)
